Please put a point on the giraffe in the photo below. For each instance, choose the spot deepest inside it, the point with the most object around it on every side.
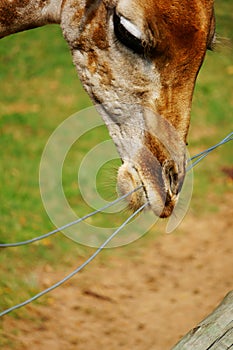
(138, 61)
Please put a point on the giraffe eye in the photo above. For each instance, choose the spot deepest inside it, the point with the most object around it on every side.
(128, 34)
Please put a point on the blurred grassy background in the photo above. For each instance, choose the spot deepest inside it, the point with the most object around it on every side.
(39, 89)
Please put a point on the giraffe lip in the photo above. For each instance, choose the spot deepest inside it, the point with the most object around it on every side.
(129, 178)
(142, 184)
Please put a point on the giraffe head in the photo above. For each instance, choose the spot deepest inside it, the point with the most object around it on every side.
(138, 60)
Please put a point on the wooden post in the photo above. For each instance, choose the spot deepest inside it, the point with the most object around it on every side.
(213, 333)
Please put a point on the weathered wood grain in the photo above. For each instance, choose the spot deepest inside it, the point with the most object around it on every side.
(213, 333)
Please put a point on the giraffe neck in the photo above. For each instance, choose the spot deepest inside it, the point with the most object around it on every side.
(19, 15)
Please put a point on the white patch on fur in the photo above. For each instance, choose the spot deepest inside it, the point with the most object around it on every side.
(130, 27)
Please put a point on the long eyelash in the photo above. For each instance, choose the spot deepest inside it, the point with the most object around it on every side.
(222, 43)
(212, 44)
(126, 38)
(218, 43)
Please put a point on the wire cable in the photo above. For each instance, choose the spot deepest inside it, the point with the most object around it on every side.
(200, 156)
(79, 268)
(38, 238)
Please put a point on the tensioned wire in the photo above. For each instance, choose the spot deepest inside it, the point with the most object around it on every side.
(79, 268)
(75, 222)
(198, 158)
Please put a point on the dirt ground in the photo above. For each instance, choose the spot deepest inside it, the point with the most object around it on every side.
(144, 297)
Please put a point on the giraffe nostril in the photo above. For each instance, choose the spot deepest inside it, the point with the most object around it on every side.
(173, 179)
(170, 177)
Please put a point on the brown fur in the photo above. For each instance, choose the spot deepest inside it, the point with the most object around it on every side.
(10, 11)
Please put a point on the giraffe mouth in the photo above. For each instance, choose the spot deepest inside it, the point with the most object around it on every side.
(161, 192)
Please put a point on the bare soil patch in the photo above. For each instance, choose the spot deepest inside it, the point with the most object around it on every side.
(143, 297)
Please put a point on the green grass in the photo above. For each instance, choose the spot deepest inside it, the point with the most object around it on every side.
(212, 114)
(39, 89)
